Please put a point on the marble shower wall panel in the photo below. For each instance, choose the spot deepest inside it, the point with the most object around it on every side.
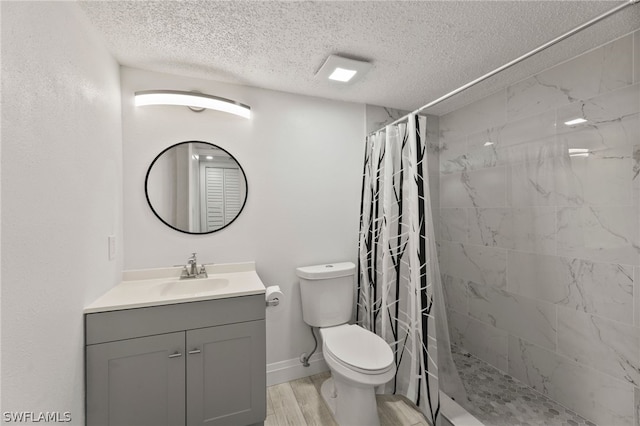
(636, 292)
(636, 174)
(483, 114)
(600, 233)
(483, 150)
(637, 410)
(453, 156)
(495, 146)
(455, 293)
(433, 166)
(533, 320)
(609, 401)
(453, 224)
(604, 345)
(636, 57)
(608, 108)
(606, 176)
(524, 229)
(601, 289)
(484, 265)
(538, 181)
(483, 341)
(478, 188)
(377, 117)
(603, 69)
(607, 140)
(540, 247)
(520, 132)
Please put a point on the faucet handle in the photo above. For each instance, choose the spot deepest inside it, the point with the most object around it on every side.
(184, 273)
(203, 272)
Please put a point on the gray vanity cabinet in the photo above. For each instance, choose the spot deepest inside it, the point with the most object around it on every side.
(222, 369)
(197, 363)
(138, 370)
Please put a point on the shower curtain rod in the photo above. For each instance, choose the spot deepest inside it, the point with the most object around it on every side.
(517, 60)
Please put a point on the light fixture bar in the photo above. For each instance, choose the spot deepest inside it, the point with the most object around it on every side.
(191, 99)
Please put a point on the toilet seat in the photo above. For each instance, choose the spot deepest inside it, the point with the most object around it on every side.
(357, 349)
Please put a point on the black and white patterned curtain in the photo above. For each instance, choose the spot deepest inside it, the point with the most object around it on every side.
(397, 261)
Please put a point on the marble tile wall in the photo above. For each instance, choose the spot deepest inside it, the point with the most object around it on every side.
(377, 117)
(539, 231)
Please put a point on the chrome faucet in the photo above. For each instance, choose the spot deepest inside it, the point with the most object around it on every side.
(192, 263)
(190, 270)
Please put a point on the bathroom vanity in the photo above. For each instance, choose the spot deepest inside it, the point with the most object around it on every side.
(160, 350)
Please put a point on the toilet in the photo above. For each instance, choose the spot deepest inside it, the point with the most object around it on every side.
(358, 359)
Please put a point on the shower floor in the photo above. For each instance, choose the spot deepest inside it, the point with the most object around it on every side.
(497, 399)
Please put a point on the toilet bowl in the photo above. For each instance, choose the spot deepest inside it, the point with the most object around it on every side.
(359, 360)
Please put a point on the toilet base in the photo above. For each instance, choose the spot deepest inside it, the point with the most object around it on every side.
(328, 392)
(350, 405)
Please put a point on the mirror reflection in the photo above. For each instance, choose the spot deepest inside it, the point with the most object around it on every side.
(196, 187)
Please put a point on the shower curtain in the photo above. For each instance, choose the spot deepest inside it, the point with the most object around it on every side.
(399, 289)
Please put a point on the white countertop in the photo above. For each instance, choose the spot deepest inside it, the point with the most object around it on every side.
(140, 288)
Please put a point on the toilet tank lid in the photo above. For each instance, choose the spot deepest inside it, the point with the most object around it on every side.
(327, 270)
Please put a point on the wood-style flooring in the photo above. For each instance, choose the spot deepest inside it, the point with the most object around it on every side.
(299, 403)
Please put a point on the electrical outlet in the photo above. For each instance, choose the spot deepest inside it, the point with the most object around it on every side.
(112, 247)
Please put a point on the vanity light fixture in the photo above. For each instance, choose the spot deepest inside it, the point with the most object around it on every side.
(575, 121)
(192, 100)
(343, 70)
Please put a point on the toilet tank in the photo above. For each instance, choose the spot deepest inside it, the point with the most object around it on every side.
(327, 293)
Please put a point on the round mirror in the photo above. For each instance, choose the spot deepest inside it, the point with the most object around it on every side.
(196, 187)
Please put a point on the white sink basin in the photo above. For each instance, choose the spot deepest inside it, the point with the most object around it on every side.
(191, 286)
(162, 286)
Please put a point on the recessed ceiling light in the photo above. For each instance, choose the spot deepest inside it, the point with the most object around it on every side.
(488, 143)
(575, 121)
(343, 70)
(209, 157)
(341, 74)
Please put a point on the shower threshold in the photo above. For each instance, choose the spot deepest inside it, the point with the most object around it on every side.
(497, 399)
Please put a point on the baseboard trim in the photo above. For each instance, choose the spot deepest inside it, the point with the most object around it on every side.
(292, 369)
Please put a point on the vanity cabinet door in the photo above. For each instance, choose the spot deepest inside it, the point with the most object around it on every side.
(226, 374)
(137, 381)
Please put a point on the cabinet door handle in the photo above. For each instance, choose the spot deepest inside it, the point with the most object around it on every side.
(176, 355)
(194, 351)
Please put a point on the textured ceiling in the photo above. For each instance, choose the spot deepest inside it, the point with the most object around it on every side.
(419, 49)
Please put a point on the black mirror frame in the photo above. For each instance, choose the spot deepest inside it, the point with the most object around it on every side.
(146, 192)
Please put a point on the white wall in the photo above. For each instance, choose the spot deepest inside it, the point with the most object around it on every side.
(0, 229)
(303, 159)
(62, 191)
